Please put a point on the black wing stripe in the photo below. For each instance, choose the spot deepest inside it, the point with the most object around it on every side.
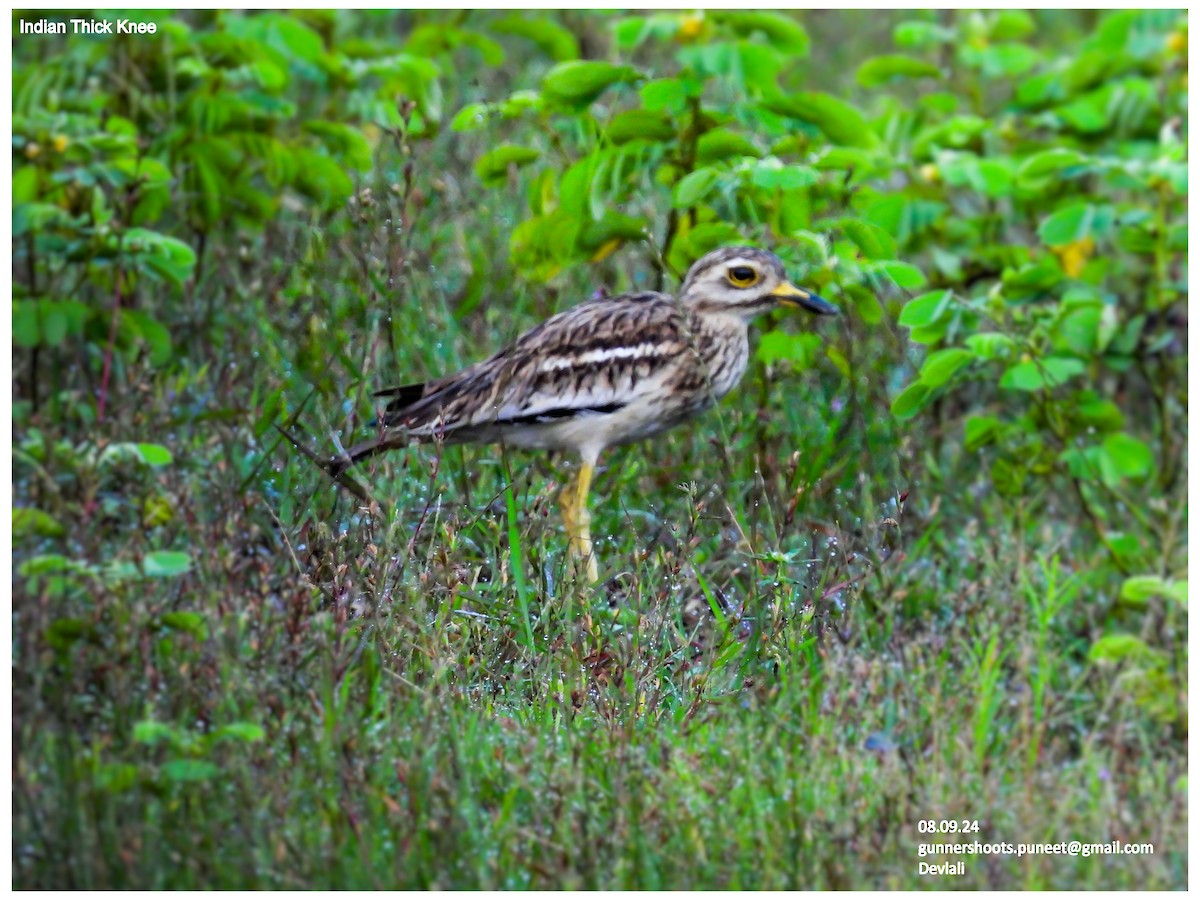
(565, 412)
(405, 395)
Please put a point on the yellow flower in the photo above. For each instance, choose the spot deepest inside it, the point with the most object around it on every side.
(690, 29)
(930, 172)
(1074, 256)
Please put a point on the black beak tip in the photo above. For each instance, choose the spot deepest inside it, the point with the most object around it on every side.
(820, 306)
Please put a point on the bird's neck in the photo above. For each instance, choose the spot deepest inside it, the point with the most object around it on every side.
(722, 341)
(720, 321)
(745, 312)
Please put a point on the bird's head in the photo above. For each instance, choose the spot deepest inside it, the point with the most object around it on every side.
(744, 282)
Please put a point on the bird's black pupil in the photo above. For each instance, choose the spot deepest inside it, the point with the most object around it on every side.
(742, 273)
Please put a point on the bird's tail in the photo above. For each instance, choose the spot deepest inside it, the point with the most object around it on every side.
(397, 428)
(389, 440)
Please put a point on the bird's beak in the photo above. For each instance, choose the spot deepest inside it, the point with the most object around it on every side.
(790, 295)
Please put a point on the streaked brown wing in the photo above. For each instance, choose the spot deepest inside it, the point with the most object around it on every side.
(589, 358)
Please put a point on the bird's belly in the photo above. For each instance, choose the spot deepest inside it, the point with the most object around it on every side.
(641, 419)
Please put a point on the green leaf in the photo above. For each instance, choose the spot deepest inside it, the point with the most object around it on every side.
(188, 622)
(1141, 589)
(246, 732)
(706, 237)
(474, 116)
(551, 38)
(925, 309)
(1074, 223)
(957, 132)
(612, 226)
(166, 563)
(1060, 161)
(991, 345)
(47, 322)
(471, 117)
(942, 365)
(1077, 331)
(322, 179)
(1114, 648)
(28, 217)
(874, 242)
(904, 275)
(1090, 464)
(799, 350)
(782, 32)
(165, 256)
(153, 733)
(62, 633)
(540, 247)
(26, 323)
(771, 174)
(343, 140)
(116, 778)
(1008, 478)
(1103, 415)
(28, 521)
(1178, 591)
(640, 124)
(1011, 25)
(1130, 457)
(153, 333)
(884, 69)
(186, 771)
(839, 360)
(492, 167)
(631, 32)
(904, 218)
(518, 103)
(1045, 373)
(841, 122)
(994, 177)
(1002, 60)
(694, 187)
(578, 83)
(575, 193)
(720, 144)
(916, 35)
(980, 431)
(25, 184)
(282, 33)
(52, 564)
(54, 324)
(911, 401)
(1123, 106)
(669, 94)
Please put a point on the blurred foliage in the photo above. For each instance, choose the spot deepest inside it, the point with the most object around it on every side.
(255, 218)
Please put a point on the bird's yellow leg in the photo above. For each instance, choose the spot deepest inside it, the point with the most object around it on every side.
(566, 506)
(584, 518)
(578, 520)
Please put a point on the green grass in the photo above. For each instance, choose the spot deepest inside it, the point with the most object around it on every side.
(757, 698)
(817, 625)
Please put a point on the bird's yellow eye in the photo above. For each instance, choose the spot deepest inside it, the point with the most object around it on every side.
(742, 276)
